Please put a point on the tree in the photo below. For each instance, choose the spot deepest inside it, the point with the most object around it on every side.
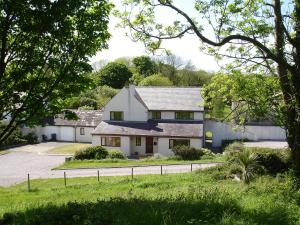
(144, 65)
(44, 52)
(258, 35)
(245, 97)
(114, 75)
(156, 80)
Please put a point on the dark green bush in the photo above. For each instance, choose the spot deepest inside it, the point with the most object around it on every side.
(187, 152)
(31, 138)
(95, 152)
(115, 154)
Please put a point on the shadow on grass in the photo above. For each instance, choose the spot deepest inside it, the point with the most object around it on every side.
(195, 209)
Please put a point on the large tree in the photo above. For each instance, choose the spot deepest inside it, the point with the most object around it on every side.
(114, 74)
(44, 51)
(260, 35)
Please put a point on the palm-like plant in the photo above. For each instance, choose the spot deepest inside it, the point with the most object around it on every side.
(246, 163)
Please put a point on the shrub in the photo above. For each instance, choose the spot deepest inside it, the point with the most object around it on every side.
(31, 138)
(115, 154)
(232, 150)
(273, 161)
(187, 153)
(95, 152)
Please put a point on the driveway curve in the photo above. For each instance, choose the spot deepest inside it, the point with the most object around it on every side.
(33, 160)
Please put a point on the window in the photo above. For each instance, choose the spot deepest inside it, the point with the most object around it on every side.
(156, 115)
(176, 142)
(184, 115)
(81, 131)
(111, 141)
(138, 141)
(115, 115)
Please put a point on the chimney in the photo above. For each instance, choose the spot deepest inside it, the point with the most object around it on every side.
(131, 94)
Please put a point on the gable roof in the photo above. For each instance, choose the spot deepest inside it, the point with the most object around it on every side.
(171, 98)
(86, 118)
(151, 128)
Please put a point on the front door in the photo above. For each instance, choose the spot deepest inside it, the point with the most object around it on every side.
(149, 145)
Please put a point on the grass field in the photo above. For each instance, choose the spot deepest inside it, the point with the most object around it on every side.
(127, 163)
(196, 198)
(68, 149)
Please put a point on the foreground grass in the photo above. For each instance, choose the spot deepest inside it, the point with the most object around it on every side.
(196, 198)
(68, 149)
(128, 163)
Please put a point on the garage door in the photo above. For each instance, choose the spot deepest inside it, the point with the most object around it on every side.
(67, 134)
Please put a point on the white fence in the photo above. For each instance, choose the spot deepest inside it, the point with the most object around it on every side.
(225, 131)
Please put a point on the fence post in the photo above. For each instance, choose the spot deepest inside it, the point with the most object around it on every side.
(98, 175)
(161, 172)
(28, 181)
(65, 178)
(191, 167)
(132, 173)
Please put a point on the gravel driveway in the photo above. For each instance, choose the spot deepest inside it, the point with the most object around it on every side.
(34, 160)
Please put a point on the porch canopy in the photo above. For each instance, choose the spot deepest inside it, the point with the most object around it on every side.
(186, 129)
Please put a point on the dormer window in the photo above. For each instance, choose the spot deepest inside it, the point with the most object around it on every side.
(116, 115)
(156, 115)
(184, 115)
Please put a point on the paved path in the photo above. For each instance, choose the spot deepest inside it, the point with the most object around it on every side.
(33, 159)
(267, 144)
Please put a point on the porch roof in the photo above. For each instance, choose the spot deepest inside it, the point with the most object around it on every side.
(151, 128)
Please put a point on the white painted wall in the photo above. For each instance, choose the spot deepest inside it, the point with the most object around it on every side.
(163, 145)
(225, 131)
(140, 149)
(87, 137)
(126, 101)
(66, 134)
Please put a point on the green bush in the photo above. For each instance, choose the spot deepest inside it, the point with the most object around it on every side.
(115, 154)
(95, 152)
(187, 152)
(31, 138)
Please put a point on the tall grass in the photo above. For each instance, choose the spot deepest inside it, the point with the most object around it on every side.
(204, 197)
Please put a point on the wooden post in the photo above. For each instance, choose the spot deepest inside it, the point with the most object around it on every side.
(132, 173)
(65, 178)
(28, 181)
(98, 175)
(161, 170)
(191, 167)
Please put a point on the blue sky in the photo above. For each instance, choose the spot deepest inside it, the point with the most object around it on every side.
(187, 47)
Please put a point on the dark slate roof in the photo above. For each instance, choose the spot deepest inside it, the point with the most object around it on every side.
(151, 128)
(87, 118)
(171, 98)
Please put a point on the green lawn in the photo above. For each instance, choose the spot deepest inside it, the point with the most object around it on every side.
(128, 163)
(3, 152)
(195, 198)
(68, 149)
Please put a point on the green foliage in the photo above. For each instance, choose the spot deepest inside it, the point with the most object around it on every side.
(187, 152)
(156, 80)
(145, 66)
(92, 99)
(95, 152)
(114, 74)
(15, 138)
(136, 78)
(115, 154)
(252, 97)
(188, 77)
(45, 48)
(31, 138)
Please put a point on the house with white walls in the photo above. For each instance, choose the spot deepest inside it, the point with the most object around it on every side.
(58, 128)
(148, 120)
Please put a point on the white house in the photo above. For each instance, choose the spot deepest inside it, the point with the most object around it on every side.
(148, 120)
(61, 129)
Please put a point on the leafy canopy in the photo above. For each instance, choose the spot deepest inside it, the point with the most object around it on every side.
(44, 52)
